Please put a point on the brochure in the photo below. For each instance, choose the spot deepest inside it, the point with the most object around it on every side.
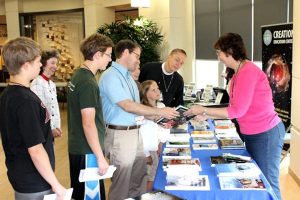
(68, 195)
(91, 174)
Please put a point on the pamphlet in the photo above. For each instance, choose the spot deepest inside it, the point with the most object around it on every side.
(68, 195)
(92, 174)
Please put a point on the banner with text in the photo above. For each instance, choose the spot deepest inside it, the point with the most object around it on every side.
(277, 43)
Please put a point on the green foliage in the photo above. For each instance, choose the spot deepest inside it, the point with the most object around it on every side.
(140, 30)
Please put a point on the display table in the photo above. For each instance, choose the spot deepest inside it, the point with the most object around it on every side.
(215, 193)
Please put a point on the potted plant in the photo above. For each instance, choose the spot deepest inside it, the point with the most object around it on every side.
(140, 30)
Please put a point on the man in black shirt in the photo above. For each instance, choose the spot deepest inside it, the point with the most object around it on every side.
(169, 81)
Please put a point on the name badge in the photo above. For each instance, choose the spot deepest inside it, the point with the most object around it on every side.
(139, 120)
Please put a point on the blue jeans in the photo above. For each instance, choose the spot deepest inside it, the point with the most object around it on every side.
(265, 148)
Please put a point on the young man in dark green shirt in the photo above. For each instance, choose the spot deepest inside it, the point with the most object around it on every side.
(85, 119)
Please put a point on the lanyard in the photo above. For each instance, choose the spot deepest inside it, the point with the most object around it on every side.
(130, 87)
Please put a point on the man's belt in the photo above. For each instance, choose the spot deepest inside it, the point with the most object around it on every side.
(110, 126)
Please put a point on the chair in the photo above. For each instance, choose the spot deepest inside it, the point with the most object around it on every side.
(286, 144)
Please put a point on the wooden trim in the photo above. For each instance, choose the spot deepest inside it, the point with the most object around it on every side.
(52, 12)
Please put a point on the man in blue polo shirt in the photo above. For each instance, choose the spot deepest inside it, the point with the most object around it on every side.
(122, 111)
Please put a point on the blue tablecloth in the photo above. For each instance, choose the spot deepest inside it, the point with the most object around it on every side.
(215, 192)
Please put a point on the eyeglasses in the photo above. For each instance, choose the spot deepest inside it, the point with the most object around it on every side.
(109, 55)
(137, 55)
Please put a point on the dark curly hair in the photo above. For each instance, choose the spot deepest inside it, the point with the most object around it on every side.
(46, 55)
(232, 44)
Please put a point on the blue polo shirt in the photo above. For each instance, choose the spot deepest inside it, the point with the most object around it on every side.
(116, 85)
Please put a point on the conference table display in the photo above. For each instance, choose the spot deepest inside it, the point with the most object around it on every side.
(220, 173)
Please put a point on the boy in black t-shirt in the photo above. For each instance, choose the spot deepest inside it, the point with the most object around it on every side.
(25, 126)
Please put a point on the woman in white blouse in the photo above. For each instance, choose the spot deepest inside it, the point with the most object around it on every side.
(45, 89)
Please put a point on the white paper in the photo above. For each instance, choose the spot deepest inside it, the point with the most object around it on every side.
(92, 174)
(53, 196)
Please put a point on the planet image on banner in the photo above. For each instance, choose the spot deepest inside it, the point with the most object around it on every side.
(278, 73)
(267, 37)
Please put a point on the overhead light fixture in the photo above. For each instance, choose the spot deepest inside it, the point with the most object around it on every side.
(140, 3)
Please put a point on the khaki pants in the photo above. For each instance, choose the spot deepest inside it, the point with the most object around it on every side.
(124, 148)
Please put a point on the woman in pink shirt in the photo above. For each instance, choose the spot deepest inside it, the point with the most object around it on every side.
(252, 105)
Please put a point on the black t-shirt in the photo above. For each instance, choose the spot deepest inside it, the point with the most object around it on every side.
(24, 122)
(171, 86)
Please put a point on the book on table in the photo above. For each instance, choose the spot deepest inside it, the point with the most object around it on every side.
(195, 182)
(205, 146)
(224, 159)
(232, 134)
(202, 139)
(177, 144)
(241, 183)
(200, 126)
(182, 164)
(176, 153)
(202, 134)
(179, 137)
(175, 122)
(231, 143)
(223, 122)
(237, 169)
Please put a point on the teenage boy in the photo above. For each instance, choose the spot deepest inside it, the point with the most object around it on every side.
(25, 126)
(85, 119)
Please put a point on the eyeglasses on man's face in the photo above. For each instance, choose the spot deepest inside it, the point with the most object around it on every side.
(136, 55)
(109, 55)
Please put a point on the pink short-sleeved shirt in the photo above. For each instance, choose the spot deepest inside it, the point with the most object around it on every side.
(251, 100)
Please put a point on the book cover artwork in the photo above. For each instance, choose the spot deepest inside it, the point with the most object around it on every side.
(205, 146)
(245, 183)
(200, 182)
(182, 164)
(231, 143)
(237, 169)
(181, 119)
(177, 153)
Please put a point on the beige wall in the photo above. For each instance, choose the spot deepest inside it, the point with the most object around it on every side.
(175, 18)
(295, 115)
(96, 14)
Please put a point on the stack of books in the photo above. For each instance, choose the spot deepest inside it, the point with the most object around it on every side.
(176, 153)
(227, 136)
(204, 140)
